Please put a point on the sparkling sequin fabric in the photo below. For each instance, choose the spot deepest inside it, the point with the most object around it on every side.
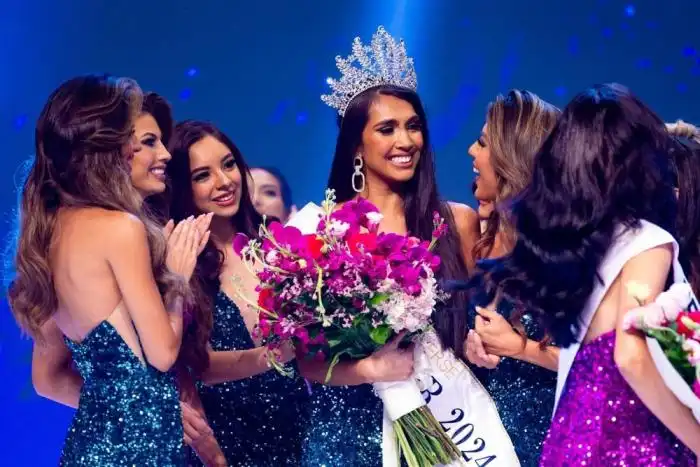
(523, 393)
(129, 413)
(600, 421)
(345, 427)
(257, 421)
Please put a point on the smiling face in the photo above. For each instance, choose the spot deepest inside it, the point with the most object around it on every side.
(392, 140)
(215, 177)
(485, 181)
(150, 157)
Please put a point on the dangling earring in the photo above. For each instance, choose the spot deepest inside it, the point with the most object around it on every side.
(358, 163)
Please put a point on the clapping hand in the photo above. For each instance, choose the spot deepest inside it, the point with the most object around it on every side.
(186, 240)
(201, 223)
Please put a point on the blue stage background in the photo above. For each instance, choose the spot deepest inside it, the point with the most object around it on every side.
(257, 69)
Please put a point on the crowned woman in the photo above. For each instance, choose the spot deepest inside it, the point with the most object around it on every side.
(383, 154)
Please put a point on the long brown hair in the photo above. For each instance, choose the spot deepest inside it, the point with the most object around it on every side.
(82, 151)
(205, 282)
(517, 124)
(421, 200)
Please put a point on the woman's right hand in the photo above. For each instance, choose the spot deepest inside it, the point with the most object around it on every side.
(195, 426)
(200, 437)
(389, 363)
(201, 222)
(185, 242)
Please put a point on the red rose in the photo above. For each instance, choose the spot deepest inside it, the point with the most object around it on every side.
(314, 245)
(682, 328)
(365, 241)
(265, 298)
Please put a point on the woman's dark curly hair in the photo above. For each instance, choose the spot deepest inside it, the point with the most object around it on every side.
(604, 166)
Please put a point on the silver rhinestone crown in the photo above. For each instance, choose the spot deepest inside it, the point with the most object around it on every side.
(383, 62)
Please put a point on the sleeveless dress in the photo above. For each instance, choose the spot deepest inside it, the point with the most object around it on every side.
(599, 420)
(257, 421)
(522, 392)
(129, 412)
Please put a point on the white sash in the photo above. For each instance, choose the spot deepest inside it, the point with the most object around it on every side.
(451, 391)
(461, 405)
(626, 245)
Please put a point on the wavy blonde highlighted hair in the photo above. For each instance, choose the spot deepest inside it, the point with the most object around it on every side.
(684, 130)
(518, 123)
(82, 160)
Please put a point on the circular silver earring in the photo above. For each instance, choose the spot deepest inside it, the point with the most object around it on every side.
(358, 163)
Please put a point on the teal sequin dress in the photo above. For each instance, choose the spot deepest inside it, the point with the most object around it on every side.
(522, 392)
(129, 412)
(257, 421)
(345, 427)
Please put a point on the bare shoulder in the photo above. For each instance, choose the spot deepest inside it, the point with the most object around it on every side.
(467, 225)
(660, 255)
(125, 228)
(466, 218)
(114, 227)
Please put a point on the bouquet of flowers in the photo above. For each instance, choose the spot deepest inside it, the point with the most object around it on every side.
(673, 336)
(343, 291)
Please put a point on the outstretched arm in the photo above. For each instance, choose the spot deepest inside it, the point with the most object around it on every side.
(233, 365)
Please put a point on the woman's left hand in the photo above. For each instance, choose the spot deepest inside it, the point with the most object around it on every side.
(497, 334)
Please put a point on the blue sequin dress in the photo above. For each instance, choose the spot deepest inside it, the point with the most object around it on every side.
(129, 412)
(523, 392)
(345, 427)
(257, 421)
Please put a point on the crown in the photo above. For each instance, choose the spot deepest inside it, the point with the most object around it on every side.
(383, 62)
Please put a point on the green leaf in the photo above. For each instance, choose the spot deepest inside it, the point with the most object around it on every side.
(378, 298)
(672, 345)
(666, 337)
(334, 342)
(380, 334)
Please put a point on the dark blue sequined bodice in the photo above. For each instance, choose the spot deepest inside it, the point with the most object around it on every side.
(257, 421)
(345, 428)
(129, 412)
(523, 392)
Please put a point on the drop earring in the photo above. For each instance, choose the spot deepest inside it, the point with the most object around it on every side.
(358, 163)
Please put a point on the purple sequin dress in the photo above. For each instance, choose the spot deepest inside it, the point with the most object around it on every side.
(600, 421)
